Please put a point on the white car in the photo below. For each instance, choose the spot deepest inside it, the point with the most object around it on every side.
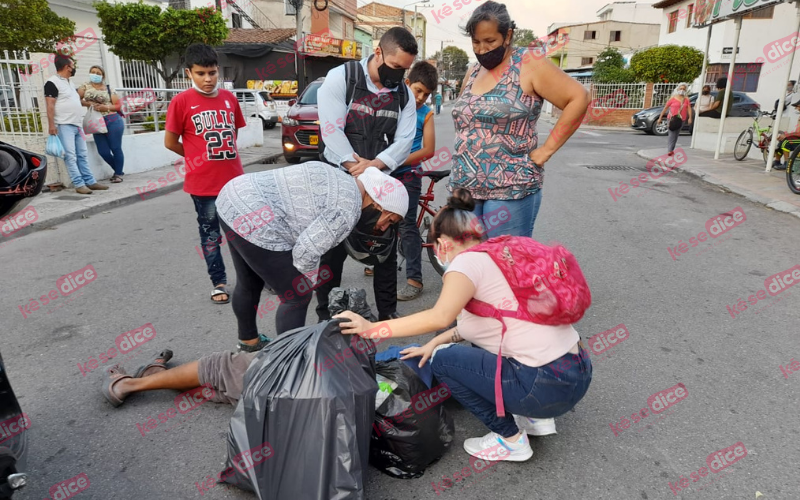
(258, 103)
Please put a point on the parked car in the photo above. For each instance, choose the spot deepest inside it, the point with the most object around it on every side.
(300, 126)
(14, 446)
(258, 103)
(645, 120)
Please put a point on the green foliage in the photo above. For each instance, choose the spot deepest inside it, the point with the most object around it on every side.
(31, 25)
(145, 32)
(22, 122)
(610, 68)
(524, 38)
(149, 124)
(456, 62)
(667, 63)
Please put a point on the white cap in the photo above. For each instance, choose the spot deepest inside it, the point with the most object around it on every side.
(387, 191)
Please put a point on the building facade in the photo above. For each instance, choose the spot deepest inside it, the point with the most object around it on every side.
(760, 66)
(631, 12)
(379, 18)
(586, 40)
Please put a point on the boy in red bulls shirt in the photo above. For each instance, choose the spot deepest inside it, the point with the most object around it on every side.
(207, 119)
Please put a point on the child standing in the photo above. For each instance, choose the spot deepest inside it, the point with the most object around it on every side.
(207, 119)
(422, 79)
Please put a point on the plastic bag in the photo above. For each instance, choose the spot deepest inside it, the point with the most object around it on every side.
(412, 429)
(54, 146)
(94, 123)
(301, 429)
(350, 299)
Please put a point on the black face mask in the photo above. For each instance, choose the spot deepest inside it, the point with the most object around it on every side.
(493, 58)
(369, 219)
(390, 77)
(72, 73)
(706, 92)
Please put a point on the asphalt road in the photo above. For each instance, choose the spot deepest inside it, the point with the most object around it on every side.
(674, 310)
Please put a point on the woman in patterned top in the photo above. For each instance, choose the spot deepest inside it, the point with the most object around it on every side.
(497, 158)
(97, 95)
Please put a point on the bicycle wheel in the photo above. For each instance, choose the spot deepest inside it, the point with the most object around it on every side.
(427, 237)
(743, 144)
(793, 172)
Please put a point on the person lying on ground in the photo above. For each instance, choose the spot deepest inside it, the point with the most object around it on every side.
(286, 220)
(539, 381)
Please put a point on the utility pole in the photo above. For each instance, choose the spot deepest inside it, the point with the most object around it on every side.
(299, 59)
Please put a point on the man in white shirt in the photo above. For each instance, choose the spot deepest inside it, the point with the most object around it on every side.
(65, 119)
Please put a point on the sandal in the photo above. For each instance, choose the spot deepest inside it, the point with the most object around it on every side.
(164, 356)
(263, 341)
(220, 290)
(107, 383)
(115, 179)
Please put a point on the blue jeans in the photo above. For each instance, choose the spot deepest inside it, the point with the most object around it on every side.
(110, 145)
(409, 232)
(544, 392)
(76, 155)
(522, 215)
(210, 237)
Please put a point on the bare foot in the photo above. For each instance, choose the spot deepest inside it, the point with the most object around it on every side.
(221, 297)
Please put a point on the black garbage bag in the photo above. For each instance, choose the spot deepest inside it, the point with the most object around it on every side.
(350, 299)
(412, 429)
(301, 430)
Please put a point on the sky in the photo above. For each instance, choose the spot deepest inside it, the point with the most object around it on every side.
(528, 14)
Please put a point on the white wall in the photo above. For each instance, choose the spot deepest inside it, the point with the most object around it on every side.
(145, 152)
(631, 13)
(756, 36)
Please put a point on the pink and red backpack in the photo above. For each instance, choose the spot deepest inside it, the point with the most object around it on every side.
(546, 281)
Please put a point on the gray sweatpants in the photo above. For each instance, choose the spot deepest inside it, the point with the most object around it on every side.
(672, 140)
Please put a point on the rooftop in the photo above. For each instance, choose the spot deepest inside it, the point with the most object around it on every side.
(241, 35)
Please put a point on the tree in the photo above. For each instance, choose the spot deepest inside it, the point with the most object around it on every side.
(137, 31)
(455, 63)
(610, 68)
(524, 38)
(667, 63)
(30, 25)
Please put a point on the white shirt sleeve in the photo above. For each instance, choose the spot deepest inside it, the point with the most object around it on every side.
(333, 109)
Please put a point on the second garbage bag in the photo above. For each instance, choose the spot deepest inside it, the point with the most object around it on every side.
(301, 430)
(412, 428)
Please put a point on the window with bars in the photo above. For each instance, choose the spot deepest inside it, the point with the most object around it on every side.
(673, 22)
(616, 36)
(745, 76)
(585, 61)
(589, 35)
(689, 15)
(765, 13)
(236, 20)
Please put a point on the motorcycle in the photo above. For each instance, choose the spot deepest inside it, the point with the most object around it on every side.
(22, 176)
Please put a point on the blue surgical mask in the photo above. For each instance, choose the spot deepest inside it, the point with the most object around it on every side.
(95, 78)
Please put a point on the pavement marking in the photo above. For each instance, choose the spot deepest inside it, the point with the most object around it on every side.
(590, 133)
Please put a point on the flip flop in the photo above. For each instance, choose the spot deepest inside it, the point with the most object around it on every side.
(164, 355)
(107, 383)
(220, 290)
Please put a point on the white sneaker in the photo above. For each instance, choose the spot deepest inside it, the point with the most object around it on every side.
(536, 426)
(493, 447)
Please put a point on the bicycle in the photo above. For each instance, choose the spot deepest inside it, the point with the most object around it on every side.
(745, 139)
(793, 171)
(425, 217)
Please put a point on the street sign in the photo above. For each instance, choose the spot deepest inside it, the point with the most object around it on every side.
(713, 11)
(729, 50)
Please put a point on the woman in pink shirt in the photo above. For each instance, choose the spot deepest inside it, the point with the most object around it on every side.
(545, 370)
(678, 105)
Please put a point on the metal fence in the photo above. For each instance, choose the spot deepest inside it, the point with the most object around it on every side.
(20, 95)
(662, 93)
(626, 95)
(139, 74)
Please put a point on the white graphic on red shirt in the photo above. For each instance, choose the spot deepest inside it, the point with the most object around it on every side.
(217, 129)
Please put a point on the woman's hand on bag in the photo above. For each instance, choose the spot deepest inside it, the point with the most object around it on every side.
(425, 351)
(355, 324)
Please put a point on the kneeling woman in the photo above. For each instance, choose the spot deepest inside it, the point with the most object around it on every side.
(545, 372)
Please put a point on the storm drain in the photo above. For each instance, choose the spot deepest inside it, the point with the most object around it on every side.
(614, 167)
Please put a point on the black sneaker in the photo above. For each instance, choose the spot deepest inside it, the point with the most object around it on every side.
(263, 341)
(777, 165)
(394, 315)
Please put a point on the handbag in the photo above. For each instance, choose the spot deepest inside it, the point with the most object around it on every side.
(676, 122)
(94, 123)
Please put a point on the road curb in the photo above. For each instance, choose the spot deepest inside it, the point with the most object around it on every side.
(777, 205)
(85, 212)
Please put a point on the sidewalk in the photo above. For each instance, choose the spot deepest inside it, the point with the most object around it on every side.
(746, 178)
(66, 205)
